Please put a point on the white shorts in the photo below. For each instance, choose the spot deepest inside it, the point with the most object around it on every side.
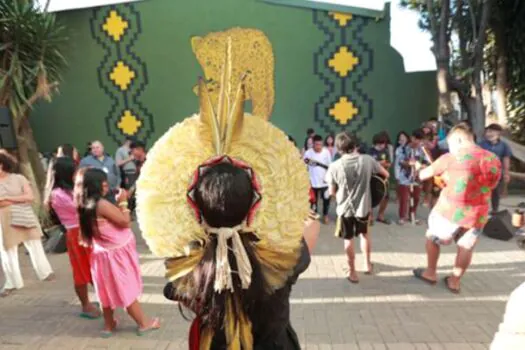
(443, 231)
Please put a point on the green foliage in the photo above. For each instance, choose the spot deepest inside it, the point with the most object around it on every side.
(31, 57)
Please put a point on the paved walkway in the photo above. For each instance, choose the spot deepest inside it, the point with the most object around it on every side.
(390, 310)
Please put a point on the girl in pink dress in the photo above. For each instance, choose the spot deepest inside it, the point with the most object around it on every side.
(114, 260)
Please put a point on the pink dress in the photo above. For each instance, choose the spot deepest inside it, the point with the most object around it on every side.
(115, 266)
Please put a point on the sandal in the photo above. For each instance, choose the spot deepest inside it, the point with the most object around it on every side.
(352, 281)
(384, 221)
(418, 273)
(109, 333)
(452, 290)
(90, 315)
(154, 325)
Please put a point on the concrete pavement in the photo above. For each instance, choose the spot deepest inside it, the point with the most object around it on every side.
(390, 310)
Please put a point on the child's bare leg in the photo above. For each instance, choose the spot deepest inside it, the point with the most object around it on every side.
(109, 319)
(136, 313)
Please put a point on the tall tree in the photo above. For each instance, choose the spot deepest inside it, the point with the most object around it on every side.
(459, 62)
(30, 64)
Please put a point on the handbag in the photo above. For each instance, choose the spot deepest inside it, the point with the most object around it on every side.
(22, 215)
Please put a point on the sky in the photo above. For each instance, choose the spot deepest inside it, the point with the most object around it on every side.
(405, 36)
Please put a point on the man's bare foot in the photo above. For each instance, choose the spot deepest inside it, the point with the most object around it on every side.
(352, 277)
(326, 220)
(369, 268)
(453, 284)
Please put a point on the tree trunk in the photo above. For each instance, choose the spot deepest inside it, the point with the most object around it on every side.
(445, 101)
(476, 112)
(30, 164)
(501, 73)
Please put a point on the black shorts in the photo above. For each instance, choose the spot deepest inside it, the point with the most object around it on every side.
(351, 227)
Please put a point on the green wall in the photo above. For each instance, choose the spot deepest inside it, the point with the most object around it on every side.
(157, 45)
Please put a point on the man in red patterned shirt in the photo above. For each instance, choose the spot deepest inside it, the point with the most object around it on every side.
(461, 212)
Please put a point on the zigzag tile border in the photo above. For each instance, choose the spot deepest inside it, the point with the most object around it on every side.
(336, 36)
(121, 50)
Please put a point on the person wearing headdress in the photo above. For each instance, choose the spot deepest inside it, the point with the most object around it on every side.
(229, 210)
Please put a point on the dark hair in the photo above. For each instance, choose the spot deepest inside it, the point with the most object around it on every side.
(67, 150)
(418, 134)
(306, 142)
(385, 135)
(317, 138)
(88, 149)
(494, 127)
(326, 140)
(345, 143)
(399, 136)
(87, 198)
(8, 162)
(224, 195)
(137, 144)
(379, 139)
(310, 131)
(63, 173)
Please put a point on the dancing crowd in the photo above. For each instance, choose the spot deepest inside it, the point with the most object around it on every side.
(424, 145)
(92, 198)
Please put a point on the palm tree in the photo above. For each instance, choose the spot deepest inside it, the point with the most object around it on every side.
(31, 60)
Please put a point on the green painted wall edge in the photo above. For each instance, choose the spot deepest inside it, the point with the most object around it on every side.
(328, 7)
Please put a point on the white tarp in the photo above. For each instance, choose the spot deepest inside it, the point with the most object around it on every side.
(63, 5)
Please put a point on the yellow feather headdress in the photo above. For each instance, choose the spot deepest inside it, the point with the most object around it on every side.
(166, 218)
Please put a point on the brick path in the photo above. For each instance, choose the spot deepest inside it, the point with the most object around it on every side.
(390, 310)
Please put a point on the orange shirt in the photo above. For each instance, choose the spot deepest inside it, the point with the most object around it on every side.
(471, 176)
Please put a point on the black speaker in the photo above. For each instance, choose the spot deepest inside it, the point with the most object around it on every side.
(7, 130)
(500, 226)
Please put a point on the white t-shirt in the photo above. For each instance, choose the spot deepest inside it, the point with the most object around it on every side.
(317, 173)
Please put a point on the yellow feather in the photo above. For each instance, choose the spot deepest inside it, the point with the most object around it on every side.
(208, 117)
(231, 328)
(235, 118)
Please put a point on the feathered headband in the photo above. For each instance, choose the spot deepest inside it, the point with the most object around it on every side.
(170, 220)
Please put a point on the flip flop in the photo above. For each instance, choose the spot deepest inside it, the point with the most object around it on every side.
(108, 334)
(418, 273)
(154, 325)
(90, 315)
(371, 271)
(452, 290)
(352, 281)
(384, 221)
